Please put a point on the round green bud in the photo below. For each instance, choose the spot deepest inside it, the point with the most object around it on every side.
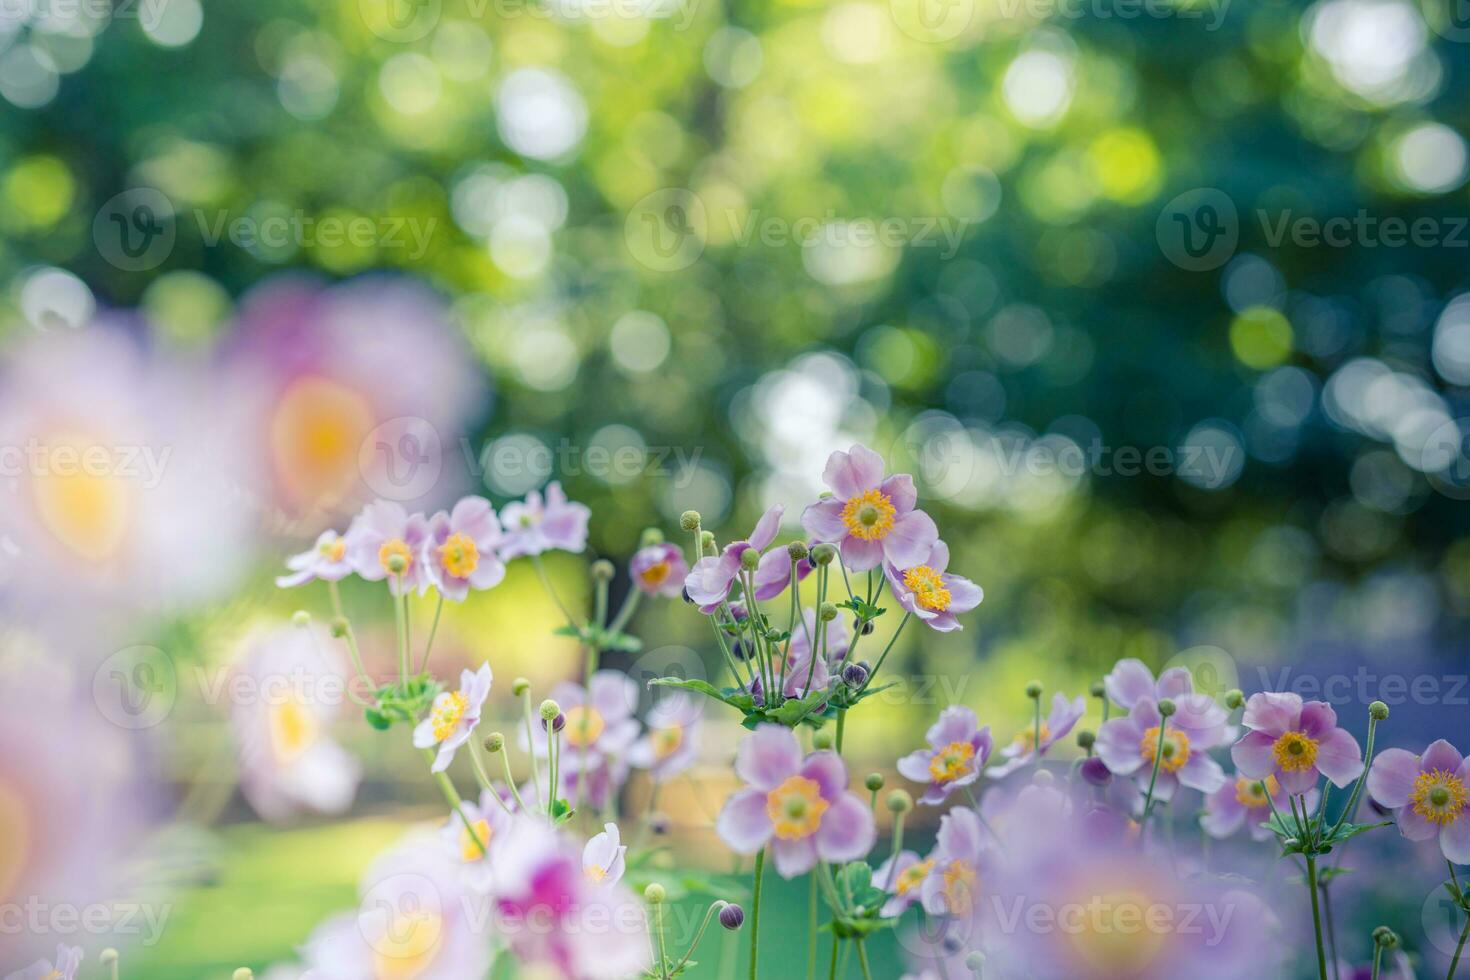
(602, 570)
(339, 627)
(1234, 698)
(1043, 777)
(108, 957)
(975, 962)
(828, 612)
(397, 564)
(549, 709)
(823, 554)
(1385, 937)
(520, 686)
(494, 742)
(244, 973)
(750, 559)
(650, 537)
(797, 550)
(1086, 739)
(1378, 711)
(655, 894)
(899, 801)
(1167, 707)
(1033, 690)
(689, 520)
(874, 782)
(822, 741)
(301, 618)
(707, 544)
(1097, 690)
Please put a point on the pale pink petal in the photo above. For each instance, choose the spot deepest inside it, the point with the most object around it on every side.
(859, 555)
(911, 539)
(847, 832)
(767, 756)
(899, 489)
(823, 520)
(743, 823)
(1415, 827)
(1441, 755)
(1254, 755)
(1392, 776)
(956, 723)
(827, 770)
(1175, 683)
(1339, 757)
(1454, 840)
(794, 857)
(766, 528)
(1129, 682)
(852, 473)
(1273, 712)
(1118, 744)
(1317, 719)
(1202, 773)
(915, 766)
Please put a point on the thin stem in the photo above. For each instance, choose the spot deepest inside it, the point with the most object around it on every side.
(811, 934)
(1036, 734)
(1459, 948)
(755, 910)
(477, 762)
(863, 959)
(1317, 919)
(630, 604)
(658, 930)
(510, 781)
(1377, 959)
(1352, 804)
(400, 616)
(698, 936)
(841, 727)
(897, 850)
(884, 655)
(1158, 759)
(551, 591)
(832, 969)
(349, 636)
(530, 744)
(433, 632)
(452, 796)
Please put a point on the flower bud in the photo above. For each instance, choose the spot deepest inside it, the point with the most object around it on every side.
(1097, 690)
(689, 520)
(555, 724)
(602, 570)
(1096, 772)
(396, 564)
(823, 554)
(707, 544)
(1043, 777)
(750, 559)
(655, 894)
(975, 962)
(1385, 937)
(244, 973)
(1378, 711)
(650, 537)
(899, 801)
(301, 618)
(1167, 707)
(1033, 690)
(874, 782)
(732, 916)
(1234, 698)
(855, 675)
(1086, 739)
(339, 627)
(520, 686)
(494, 742)
(739, 650)
(821, 741)
(828, 612)
(863, 626)
(108, 956)
(684, 594)
(797, 550)
(659, 824)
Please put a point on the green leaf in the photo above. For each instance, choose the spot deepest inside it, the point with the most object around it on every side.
(702, 687)
(1350, 830)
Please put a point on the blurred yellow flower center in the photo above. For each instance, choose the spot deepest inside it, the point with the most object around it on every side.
(666, 741)
(1026, 738)
(1252, 792)
(594, 872)
(951, 762)
(959, 887)
(334, 550)
(869, 516)
(1295, 752)
(448, 710)
(927, 587)
(1175, 749)
(584, 726)
(87, 511)
(293, 730)
(796, 807)
(459, 555)
(407, 947)
(913, 876)
(316, 434)
(1109, 941)
(468, 849)
(656, 573)
(1439, 796)
(15, 830)
(395, 548)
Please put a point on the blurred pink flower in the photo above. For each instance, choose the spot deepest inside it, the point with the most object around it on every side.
(326, 560)
(476, 846)
(869, 518)
(708, 582)
(659, 569)
(1055, 727)
(1242, 802)
(1131, 746)
(64, 967)
(536, 525)
(671, 743)
(383, 533)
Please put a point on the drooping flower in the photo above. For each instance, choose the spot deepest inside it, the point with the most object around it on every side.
(1141, 742)
(385, 537)
(958, 750)
(453, 717)
(460, 549)
(326, 560)
(1242, 802)
(537, 525)
(1296, 742)
(708, 582)
(902, 875)
(1055, 727)
(1429, 793)
(64, 967)
(671, 743)
(289, 763)
(869, 518)
(800, 806)
(931, 593)
(477, 838)
(659, 569)
(604, 859)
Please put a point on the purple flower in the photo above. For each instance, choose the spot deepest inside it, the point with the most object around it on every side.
(870, 519)
(1429, 793)
(325, 560)
(1242, 802)
(931, 593)
(902, 876)
(1130, 746)
(708, 582)
(961, 848)
(534, 525)
(1296, 743)
(460, 551)
(671, 744)
(1130, 681)
(958, 750)
(659, 569)
(64, 967)
(1063, 718)
(453, 717)
(383, 536)
(604, 859)
(801, 807)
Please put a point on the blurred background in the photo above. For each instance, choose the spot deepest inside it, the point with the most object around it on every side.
(1161, 302)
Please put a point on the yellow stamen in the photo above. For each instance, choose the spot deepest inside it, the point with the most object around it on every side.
(1253, 792)
(459, 555)
(334, 550)
(594, 872)
(448, 710)
(1026, 738)
(468, 849)
(959, 887)
(913, 876)
(408, 945)
(1439, 796)
(796, 807)
(928, 588)
(584, 726)
(1295, 752)
(293, 730)
(656, 574)
(1176, 749)
(666, 741)
(869, 516)
(395, 548)
(951, 762)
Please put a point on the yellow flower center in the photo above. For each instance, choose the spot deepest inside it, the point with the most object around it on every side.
(913, 876)
(293, 730)
(448, 710)
(1439, 796)
(334, 550)
(796, 807)
(594, 872)
(666, 741)
(459, 555)
(395, 548)
(655, 574)
(927, 587)
(1026, 738)
(1295, 752)
(952, 762)
(1110, 943)
(1175, 749)
(468, 849)
(89, 513)
(584, 726)
(869, 516)
(1253, 792)
(316, 435)
(408, 946)
(959, 887)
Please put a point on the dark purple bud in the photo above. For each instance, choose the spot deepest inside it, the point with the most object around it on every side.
(855, 675)
(1095, 772)
(556, 724)
(739, 651)
(732, 917)
(757, 693)
(867, 628)
(687, 597)
(659, 823)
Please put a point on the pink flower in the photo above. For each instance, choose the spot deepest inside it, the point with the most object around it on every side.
(870, 519)
(453, 717)
(604, 859)
(902, 876)
(671, 744)
(1063, 718)
(659, 569)
(1130, 681)
(476, 852)
(1130, 746)
(460, 552)
(64, 967)
(534, 525)
(326, 560)
(929, 592)
(800, 806)
(1430, 793)
(708, 582)
(958, 750)
(599, 720)
(961, 849)
(385, 536)
(1241, 802)
(1296, 743)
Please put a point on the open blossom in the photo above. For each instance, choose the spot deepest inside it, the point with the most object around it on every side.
(1130, 681)
(902, 876)
(536, 525)
(659, 569)
(476, 839)
(460, 551)
(1429, 793)
(1296, 743)
(869, 518)
(604, 859)
(931, 593)
(385, 534)
(961, 849)
(1055, 727)
(453, 717)
(800, 806)
(958, 750)
(599, 721)
(1132, 746)
(708, 582)
(64, 967)
(671, 743)
(326, 560)
(1242, 802)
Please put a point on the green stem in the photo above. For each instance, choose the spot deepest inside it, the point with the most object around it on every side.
(841, 728)
(897, 850)
(477, 762)
(1352, 803)
(832, 969)
(663, 956)
(811, 935)
(884, 655)
(863, 959)
(698, 937)
(451, 795)
(1459, 948)
(350, 637)
(530, 744)
(1317, 918)
(510, 781)
(400, 615)
(630, 604)
(551, 591)
(755, 910)
(1154, 777)
(433, 632)
(1377, 959)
